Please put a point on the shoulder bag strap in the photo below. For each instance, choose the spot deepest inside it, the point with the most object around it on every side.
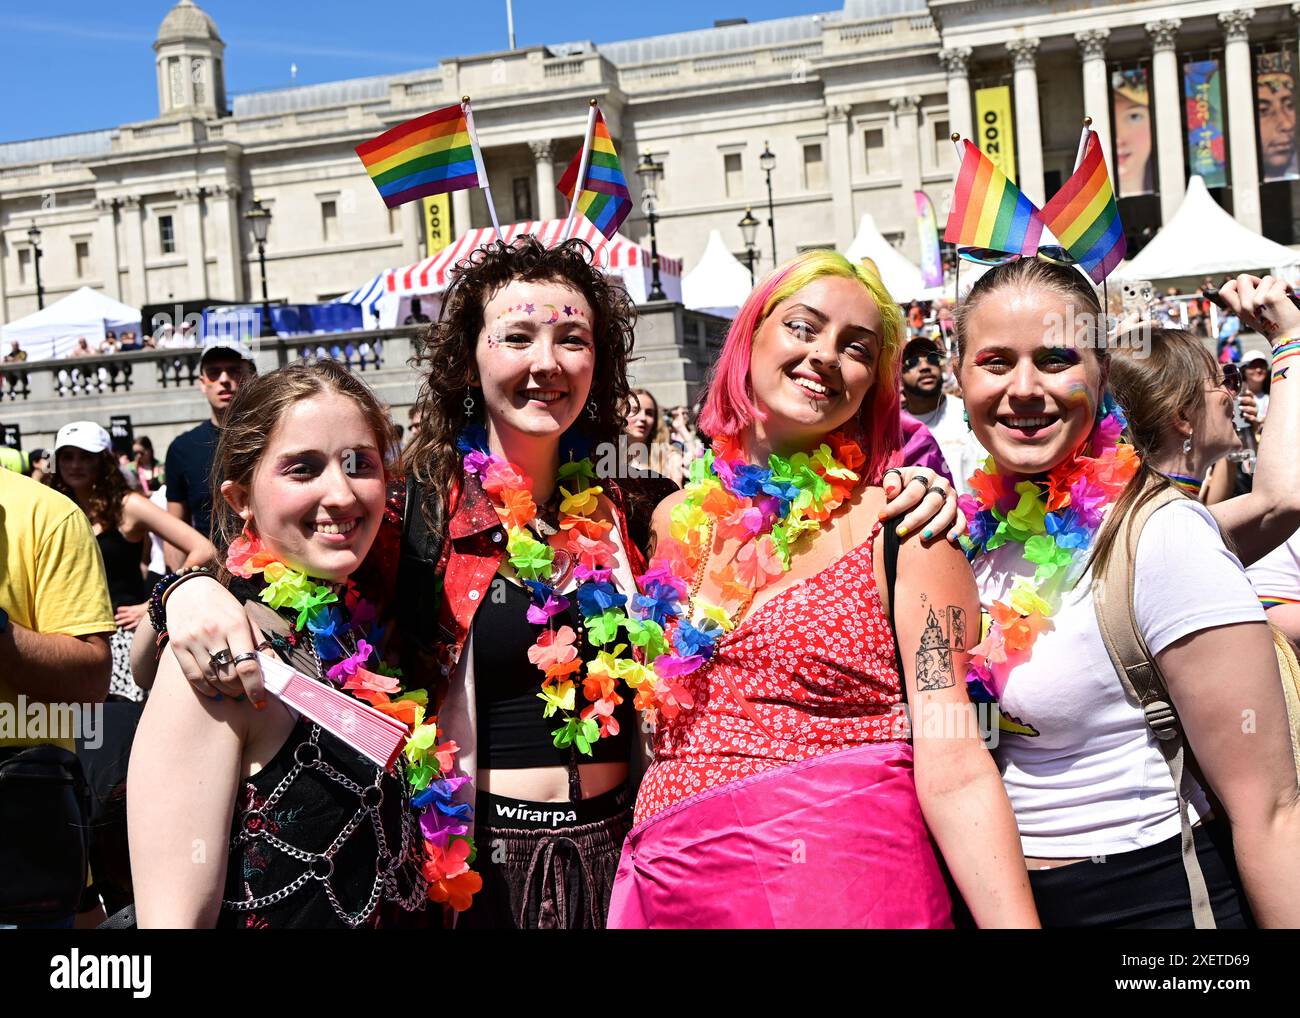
(1143, 682)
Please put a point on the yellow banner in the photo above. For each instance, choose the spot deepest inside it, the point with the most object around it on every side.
(994, 128)
(437, 222)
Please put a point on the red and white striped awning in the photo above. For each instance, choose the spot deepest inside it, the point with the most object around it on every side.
(619, 257)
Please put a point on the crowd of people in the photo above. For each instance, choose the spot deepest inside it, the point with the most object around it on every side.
(829, 649)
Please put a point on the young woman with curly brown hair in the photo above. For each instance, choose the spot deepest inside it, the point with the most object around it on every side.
(507, 531)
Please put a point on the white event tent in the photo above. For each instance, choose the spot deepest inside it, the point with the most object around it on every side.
(902, 279)
(720, 281)
(617, 257)
(54, 330)
(1201, 239)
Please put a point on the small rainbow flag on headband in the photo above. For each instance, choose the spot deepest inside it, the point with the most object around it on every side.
(432, 154)
(1084, 217)
(604, 199)
(989, 211)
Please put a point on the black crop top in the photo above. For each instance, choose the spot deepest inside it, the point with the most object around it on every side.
(512, 733)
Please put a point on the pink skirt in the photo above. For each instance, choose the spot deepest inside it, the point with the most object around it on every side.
(833, 842)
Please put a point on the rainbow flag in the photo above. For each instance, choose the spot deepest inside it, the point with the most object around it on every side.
(604, 199)
(989, 211)
(1084, 217)
(1275, 602)
(432, 154)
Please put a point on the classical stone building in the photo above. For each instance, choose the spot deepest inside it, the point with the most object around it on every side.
(856, 105)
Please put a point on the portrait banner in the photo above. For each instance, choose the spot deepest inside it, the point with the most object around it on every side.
(996, 135)
(1207, 154)
(1131, 107)
(1275, 114)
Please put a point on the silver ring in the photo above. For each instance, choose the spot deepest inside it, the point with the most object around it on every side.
(221, 658)
(250, 655)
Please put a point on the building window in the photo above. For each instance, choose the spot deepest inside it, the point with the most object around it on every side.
(329, 220)
(82, 254)
(731, 173)
(196, 78)
(24, 265)
(877, 154)
(177, 82)
(814, 170)
(166, 235)
(942, 143)
(523, 196)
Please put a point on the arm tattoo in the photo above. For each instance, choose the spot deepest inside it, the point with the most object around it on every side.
(934, 657)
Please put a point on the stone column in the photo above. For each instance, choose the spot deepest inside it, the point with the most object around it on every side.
(460, 220)
(133, 229)
(544, 158)
(196, 262)
(223, 217)
(1029, 134)
(1241, 115)
(106, 243)
(907, 143)
(956, 65)
(840, 169)
(1096, 87)
(1167, 107)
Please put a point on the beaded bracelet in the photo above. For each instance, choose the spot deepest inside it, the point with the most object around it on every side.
(164, 587)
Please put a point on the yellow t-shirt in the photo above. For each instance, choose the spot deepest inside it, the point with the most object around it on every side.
(51, 581)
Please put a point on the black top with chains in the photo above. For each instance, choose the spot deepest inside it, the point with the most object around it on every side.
(322, 838)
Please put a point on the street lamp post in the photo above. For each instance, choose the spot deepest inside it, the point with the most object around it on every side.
(650, 171)
(749, 230)
(259, 219)
(767, 161)
(34, 235)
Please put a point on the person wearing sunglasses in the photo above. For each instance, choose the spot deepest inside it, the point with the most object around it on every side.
(943, 414)
(222, 369)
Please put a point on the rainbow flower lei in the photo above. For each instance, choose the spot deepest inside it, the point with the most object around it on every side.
(768, 509)
(602, 607)
(1056, 519)
(349, 660)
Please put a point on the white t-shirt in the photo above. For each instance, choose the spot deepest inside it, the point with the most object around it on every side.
(1276, 577)
(1083, 773)
(960, 448)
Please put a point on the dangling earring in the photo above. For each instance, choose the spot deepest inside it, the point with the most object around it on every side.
(469, 403)
(1187, 446)
(591, 410)
(965, 416)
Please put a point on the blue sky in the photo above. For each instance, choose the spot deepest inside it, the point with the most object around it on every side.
(78, 65)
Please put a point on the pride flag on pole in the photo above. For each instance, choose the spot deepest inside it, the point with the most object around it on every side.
(989, 211)
(432, 154)
(604, 197)
(1084, 217)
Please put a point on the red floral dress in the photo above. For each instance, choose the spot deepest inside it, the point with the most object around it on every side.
(816, 664)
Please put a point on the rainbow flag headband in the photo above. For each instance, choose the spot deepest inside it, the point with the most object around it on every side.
(997, 223)
(1055, 519)
(350, 660)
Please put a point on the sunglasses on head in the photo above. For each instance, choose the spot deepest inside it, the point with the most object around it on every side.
(987, 256)
(913, 360)
(1232, 378)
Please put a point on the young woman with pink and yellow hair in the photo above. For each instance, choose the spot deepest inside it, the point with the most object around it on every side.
(788, 787)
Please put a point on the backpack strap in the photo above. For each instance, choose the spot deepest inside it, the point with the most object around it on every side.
(1142, 679)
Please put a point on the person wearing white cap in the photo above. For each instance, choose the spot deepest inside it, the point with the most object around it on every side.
(222, 369)
(1254, 371)
(85, 469)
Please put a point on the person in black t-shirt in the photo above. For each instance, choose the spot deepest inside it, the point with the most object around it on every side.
(189, 457)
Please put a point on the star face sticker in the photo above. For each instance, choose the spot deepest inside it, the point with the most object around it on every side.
(569, 311)
(529, 308)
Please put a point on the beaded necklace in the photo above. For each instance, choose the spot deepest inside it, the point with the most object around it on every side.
(345, 636)
(1055, 519)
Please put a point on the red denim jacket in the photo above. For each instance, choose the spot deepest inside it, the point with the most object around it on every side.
(472, 554)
